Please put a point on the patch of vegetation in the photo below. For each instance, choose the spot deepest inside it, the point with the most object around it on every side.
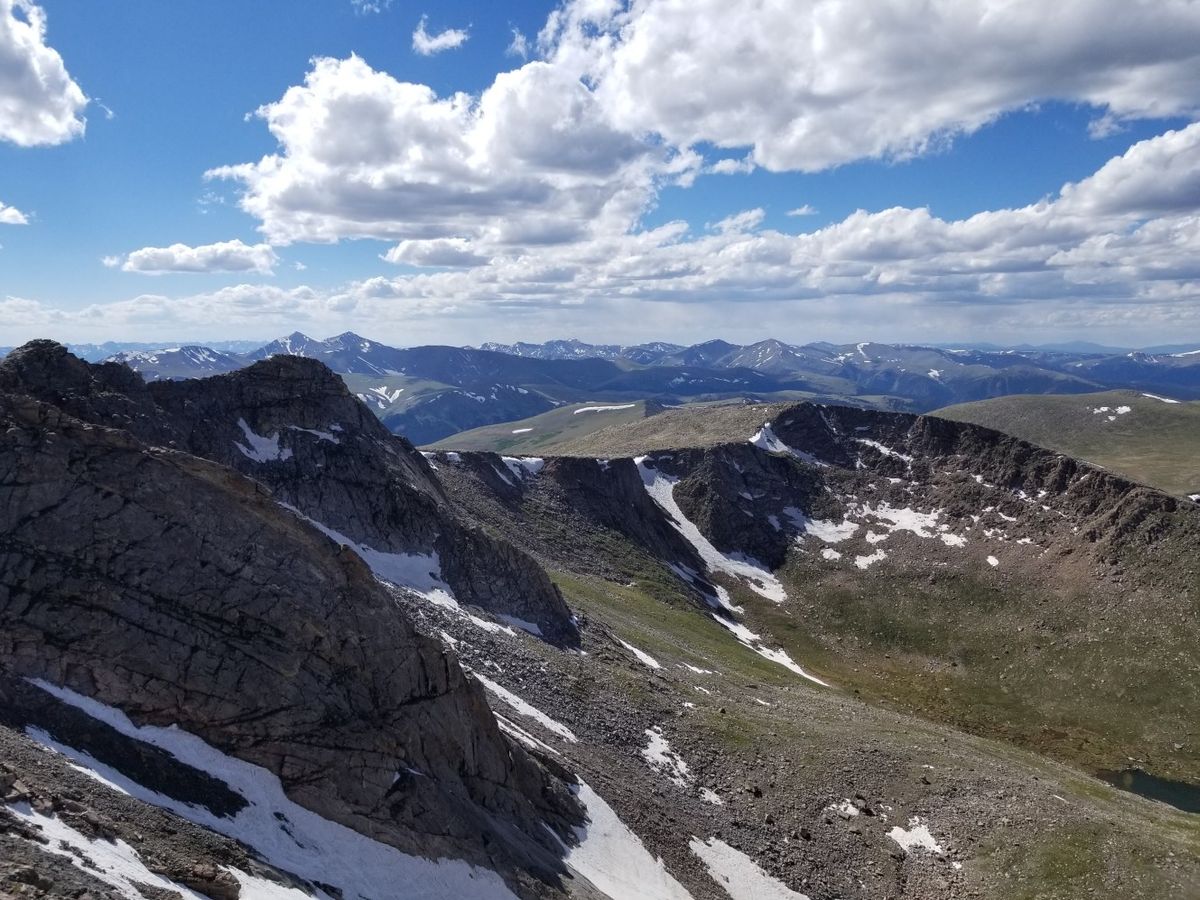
(1154, 442)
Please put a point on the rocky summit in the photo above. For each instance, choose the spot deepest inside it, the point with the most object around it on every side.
(254, 645)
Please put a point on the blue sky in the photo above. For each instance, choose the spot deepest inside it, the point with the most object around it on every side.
(571, 189)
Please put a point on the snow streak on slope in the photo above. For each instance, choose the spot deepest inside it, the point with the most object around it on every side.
(643, 657)
(285, 834)
(615, 860)
(526, 709)
(767, 439)
(585, 409)
(755, 643)
(741, 876)
(113, 862)
(661, 488)
(420, 573)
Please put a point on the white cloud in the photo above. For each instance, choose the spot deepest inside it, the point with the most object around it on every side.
(742, 166)
(813, 85)
(1113, 255)
(519, 46)
(10, 215)
(806, 210)
(428, 44)
(370, 7)
(226, 256)
(40, 104)
(531, 161)
(449, 252)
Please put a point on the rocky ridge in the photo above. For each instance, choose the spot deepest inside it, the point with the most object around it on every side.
(179, 591)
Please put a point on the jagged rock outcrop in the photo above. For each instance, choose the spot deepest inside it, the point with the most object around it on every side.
(291, 424)
(180, 591)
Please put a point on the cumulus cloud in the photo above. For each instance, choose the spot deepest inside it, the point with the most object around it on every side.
(531, 161)
(428, 44)
(10, 215)
(40, 104)
(225, 256)
(449, 252)
(806, 210)
(813, 85)
(1114, 254)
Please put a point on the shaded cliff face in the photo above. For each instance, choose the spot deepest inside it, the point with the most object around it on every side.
(181, 592)
(291, 424)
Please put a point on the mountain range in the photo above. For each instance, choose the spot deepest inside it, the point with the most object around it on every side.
(429, 393)
(253, 645)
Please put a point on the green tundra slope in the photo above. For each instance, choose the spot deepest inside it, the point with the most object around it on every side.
(1137, 435)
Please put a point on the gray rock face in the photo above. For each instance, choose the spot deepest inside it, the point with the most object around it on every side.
(178, 590)
(290, 424)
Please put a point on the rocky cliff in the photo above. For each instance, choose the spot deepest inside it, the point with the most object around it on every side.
(291, 425)
(180, 591)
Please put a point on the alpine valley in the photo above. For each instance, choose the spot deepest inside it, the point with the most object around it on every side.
(747, 624)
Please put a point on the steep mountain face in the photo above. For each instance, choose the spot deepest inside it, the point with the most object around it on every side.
(279, 421)
(914, 544)
(182, 593)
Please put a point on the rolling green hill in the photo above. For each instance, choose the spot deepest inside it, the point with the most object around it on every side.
(550, 430)
(1137, 435)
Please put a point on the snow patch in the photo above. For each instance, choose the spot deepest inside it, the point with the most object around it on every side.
(524, 466)
(286, 835)
(830, 554)
(1162, 399)
(740, 876)
(322, 435)
(766, 439)
(521, 430)
(585, 409)
(644, 658)
(754, 642)
(865, 562)
(261, 449)
(915, 837)
(885, 450)
(659, 755)
(614, 859)
(113, 862)
(827, 531)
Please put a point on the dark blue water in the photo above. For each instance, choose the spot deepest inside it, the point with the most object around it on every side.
(1179, 794)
